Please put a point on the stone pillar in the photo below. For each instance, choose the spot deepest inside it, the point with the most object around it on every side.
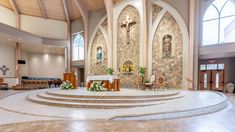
(193, 31)
(145, 33)
(69, 50)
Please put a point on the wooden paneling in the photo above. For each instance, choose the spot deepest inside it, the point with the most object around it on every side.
(29, 7)
(93, 5)
(6, 3)
(74, 12)
(54, 9)
(117, 1)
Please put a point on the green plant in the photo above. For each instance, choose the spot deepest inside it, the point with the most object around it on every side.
(66, 85)
(110, 71)
(97, 86)
(141, 71)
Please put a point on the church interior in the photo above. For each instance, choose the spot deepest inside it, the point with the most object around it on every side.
(117, 65)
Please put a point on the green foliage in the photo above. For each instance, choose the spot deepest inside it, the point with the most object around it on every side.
(66, 85)
(97, 86)
(110, 71)
(141, 71)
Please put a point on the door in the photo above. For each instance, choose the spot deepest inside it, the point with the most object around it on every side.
(205, 80)
(218, 80)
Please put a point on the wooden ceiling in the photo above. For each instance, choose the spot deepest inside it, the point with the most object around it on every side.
(52, 9)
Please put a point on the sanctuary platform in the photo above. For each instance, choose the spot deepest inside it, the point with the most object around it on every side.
(81, 104)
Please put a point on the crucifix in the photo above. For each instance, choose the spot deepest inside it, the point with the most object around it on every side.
(127, 24)
(4, 69)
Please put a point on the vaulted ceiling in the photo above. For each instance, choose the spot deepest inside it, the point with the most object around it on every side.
(52, 9)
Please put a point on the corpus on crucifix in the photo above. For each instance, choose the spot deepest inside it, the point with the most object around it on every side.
(127, 24)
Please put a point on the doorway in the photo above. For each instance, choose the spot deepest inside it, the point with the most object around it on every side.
(211, 77)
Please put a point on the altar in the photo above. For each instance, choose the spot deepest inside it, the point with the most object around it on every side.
(112, 83)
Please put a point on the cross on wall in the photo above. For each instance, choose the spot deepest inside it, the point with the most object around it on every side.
(4, 69)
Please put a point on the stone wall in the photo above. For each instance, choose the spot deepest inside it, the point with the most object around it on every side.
(128, 51)
(98, 68)
(169, 64)
(156, 10)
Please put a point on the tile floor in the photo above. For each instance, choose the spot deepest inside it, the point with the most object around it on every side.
(222, 121)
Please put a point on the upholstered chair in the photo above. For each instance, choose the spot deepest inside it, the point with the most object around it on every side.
(151, 82)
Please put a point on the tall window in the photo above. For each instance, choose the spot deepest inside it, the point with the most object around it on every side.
(78, 47)
(219, 23)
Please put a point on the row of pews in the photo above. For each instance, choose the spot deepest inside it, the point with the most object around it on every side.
(37, 83)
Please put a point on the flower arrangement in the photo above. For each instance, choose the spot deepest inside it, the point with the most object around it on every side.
(110, 71)
(97, 86)
(66, 85)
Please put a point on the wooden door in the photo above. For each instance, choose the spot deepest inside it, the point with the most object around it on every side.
(218, 80)
(205, 80)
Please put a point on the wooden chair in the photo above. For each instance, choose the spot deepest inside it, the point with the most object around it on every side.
(151, 82)
(138, 82)
(160, 83)
(3, 86)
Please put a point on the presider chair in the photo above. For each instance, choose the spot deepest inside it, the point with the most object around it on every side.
(151, 82)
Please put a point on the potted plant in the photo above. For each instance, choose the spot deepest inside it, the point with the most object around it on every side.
(97, 86)
(110, 71)
(66, 85)
(141, 71)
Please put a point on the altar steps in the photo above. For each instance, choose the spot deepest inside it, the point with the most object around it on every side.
(162, 94)
(36, 99)
(100, 102)
(92, 99)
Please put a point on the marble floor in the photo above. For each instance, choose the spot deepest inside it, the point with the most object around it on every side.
(222, 121)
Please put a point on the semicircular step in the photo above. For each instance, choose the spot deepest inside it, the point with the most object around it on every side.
(34, 98)
(111, 97)
(43, 95)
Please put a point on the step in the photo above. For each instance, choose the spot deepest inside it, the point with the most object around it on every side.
(109, 96)
(44, 95)
(34, 98)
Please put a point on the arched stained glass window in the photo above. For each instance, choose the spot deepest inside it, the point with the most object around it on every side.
(78, 47)
(219, 23)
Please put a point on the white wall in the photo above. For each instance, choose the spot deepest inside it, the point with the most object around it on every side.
(46, 65)
(7, 17)
(7, 57)
(45, 28)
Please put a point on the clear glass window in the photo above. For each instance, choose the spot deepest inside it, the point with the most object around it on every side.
(203, 67)
(219, 23)
(78, 47)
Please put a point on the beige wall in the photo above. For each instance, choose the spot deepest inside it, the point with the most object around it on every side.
(7, 17)
(77, 26)
(24, 68)
(94, 19)
(7, 57)
(182, 6)
(45, 28)
(46, 65)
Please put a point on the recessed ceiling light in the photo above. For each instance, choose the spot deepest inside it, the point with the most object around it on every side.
(8, 39)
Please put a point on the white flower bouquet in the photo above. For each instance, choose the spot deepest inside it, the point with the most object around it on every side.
(66, 85)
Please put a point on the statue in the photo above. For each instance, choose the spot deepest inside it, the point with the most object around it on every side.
(99, 54)
(127, 24)
(167, 46)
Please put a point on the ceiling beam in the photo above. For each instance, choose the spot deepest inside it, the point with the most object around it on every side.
(109, 10)
(66, 12)
(42, 8)
(14, 6)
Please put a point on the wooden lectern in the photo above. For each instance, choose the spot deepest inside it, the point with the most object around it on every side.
(72, 78)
